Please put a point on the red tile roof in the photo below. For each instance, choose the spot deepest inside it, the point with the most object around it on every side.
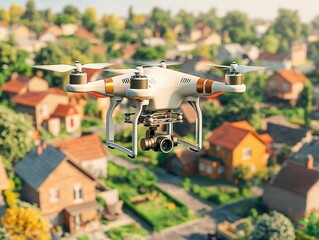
(34, 98)
(13, 86)
(84, 33)
(30, 98)
(273, 56)
(229, 135)
(292, 76)
(63, 110)
(82, 148)
(4, 184)
(295, 178)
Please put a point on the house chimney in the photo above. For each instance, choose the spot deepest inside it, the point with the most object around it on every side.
(41, 146)
(309, 163)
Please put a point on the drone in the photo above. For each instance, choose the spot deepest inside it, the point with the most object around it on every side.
(156, 92)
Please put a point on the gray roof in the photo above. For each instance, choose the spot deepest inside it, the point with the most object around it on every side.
(308, 148)
(284, 134)
(34, 169)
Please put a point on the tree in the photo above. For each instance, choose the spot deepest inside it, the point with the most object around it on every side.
(160, 20)
(15, 134)
(210, 18)
(150, 53)
(48, 16)
(73, 12)
(4, 15)
(315, 22)
(112, 21)
(287, 26)
(31, 13)
(24, 221)
(311, 225)
(170, 36)
(130, 19)
(237, 25)
(274, 226)
(16, 12)
(270, 43)
(141, 178)
(242, 177)
(91, 108)
(89, 19)
(305, 101)
(186, 19)
(8, 58)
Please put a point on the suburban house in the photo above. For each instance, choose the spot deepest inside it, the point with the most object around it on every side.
(298, 53)
(40, 105)
(63, 190)
(69, 29)
(199, 31)
(82, 32)
(4, 31)
(189, 120)
(68, 115)
(21, 32)
(313, 36)
(294, 191)
(285, 85)
(88, 151)
(275, 61)
(311, 147)
(184, 163)
(50, 34)
(232, 145)
(4, 184)
(230, 51)
(295, 137)
(251, 52)
(19, 84)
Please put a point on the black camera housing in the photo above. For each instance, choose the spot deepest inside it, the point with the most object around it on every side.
(161, 143)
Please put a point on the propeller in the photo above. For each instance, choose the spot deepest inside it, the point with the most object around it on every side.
(155, 63)
(234, 67)
(122, 71)
(77, 65)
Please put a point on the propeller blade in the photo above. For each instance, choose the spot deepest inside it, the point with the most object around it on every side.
(244, 69)
(154, 63)
(222, 67)
(122, 71)
(56, 68)
(97, 65)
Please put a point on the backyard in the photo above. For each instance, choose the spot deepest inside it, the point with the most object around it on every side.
(140, 193)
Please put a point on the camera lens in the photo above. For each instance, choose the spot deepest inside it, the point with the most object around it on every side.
(166, 145)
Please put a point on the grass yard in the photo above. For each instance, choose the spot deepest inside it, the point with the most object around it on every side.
(130, 231)
(243, 209)
(158, 208)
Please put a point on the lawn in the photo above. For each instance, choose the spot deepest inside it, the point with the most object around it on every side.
(155, 206)
(243, 209)
(130, 231)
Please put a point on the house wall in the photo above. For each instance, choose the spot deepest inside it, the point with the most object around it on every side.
(76, 123)
(298, 54)
(288, 203)
(52, 101)
(36, 84)
(312, 199)
(64, 178)
(29, 194)
(98, 166)
(208, 168)
(31, 111)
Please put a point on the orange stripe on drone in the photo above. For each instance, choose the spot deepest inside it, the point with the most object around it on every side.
(200, 85)
(109, 85)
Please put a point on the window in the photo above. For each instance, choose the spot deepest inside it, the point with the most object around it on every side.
(285, 86)
(217, 148)
(44, 110)
(220, 169)
(77, 192)
(246, 153)
(209, 169)
(54, 194)
(272, 84)
(202, 166)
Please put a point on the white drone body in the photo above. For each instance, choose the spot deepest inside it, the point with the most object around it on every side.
(156, 92)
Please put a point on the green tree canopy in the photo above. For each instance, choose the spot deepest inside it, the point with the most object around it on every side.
(274, 226)
(311, 225)
(287, 26)
(150, 53)
(15, 135)
(237, 25)
(141, 178)
(89, 19)
(8, 58)
(270, 43)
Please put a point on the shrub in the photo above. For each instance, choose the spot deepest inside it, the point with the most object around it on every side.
(187, 184)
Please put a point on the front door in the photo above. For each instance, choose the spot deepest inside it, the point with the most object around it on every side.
(77, 220)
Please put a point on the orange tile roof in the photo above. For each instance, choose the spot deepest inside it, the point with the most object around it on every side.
(63, 110)
(230, 134)
(84, 33)
(34, 98)
(82, 148)
(4, 24)
(13, 86)
(4, 184)
(30, 98)
(292, 76)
